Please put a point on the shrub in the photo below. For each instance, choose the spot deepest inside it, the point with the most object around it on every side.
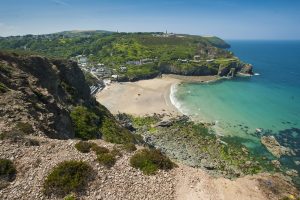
(85, 123)
(25, 127)
(130, 147)
(99, 150)
(149, 161)
(7, 170)
(70, 197)
(116, 152)
(3, 88)
(106, 159)
(31, 142)
(68, 177)
(83, 147)
(113, 133)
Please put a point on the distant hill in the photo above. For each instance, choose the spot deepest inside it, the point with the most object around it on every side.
(166, 53)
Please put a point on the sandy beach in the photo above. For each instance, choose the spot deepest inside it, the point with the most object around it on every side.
(145, 97)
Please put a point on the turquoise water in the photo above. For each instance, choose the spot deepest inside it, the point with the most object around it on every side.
(270, 100)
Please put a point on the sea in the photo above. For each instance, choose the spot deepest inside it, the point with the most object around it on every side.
(246, 108)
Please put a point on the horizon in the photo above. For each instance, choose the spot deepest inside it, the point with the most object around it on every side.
(227, 19)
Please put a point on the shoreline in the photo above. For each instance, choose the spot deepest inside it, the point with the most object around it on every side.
(147, 97)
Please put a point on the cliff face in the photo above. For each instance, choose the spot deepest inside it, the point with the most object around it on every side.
(40, 92)
(220, 69)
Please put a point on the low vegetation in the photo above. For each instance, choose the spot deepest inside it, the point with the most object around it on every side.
(70, 197)
(25, 127)
(106, 159)
(99, 150)
(7, 170)
(149, 161)
(83, 146)
(68, 177)
(3, 88)
(86, 123)
(114, 133)
(129, 147)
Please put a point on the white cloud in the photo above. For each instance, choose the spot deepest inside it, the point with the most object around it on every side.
(60, 2)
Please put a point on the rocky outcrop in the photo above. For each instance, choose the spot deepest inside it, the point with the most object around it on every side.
(230, 68)
(274, 147)
(40, 92)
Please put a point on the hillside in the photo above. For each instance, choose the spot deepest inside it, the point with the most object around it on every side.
(144, 55)
(48, 97)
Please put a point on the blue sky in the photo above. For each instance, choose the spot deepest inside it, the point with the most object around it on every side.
(228, 19)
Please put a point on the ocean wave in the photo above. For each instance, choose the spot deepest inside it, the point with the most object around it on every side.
(174, 100)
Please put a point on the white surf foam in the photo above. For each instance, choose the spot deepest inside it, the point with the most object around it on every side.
(174, 100)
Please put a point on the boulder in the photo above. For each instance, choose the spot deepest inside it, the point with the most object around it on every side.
(274, 147)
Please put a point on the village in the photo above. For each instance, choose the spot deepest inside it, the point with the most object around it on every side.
(108, 74)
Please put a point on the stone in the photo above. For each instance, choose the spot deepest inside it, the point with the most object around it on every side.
(274, 147)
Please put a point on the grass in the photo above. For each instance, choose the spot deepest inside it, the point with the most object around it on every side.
(7, 170)
(106, 159)
(149, 161)
(68, 177)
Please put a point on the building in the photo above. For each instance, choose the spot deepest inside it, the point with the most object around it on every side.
(132, 62)
(123, 69)
(114, 76)
(183, 60)
(197, 57)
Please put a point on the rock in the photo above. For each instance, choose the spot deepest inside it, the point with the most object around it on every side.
(164, 123)
(297, 162)
(207, 164)
(274, 147)
(276, 163)
(292, 172)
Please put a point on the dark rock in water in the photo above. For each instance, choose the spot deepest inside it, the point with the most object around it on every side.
(274, 147)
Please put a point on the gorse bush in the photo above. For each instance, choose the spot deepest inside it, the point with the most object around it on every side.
(114, 133)
(150, 160)
(99, 150)
(106, 159)
(68, 177)
(130, 147)
(86, 123)
(25, 127)
(7, 170)
(83, 146)
(70, 197)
